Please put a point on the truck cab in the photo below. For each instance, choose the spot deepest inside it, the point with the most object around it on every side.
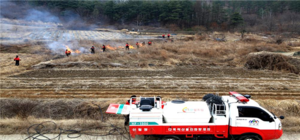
(249, 118)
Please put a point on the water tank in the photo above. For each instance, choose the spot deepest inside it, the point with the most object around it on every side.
(186, 112)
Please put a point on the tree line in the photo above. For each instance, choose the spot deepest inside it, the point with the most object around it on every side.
(184, 14)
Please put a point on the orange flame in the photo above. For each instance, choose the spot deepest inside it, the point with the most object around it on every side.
(140, 45)
(110, 48)
(76, 51)
(120, 47)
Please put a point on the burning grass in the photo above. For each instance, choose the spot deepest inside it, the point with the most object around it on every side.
(178, 53)
(203, 51)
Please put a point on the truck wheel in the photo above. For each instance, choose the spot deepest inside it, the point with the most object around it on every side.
(170, 138)
(249, 137)
(207, 96)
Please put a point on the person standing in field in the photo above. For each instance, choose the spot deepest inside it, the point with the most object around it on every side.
(137, 45)
(127, 46)
(163, 36)
(68, 52)
(103, 48)
(169, 36)
(17, 59)
(93, 50)
(149, 43)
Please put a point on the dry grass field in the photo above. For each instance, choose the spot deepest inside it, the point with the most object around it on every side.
(48, 86)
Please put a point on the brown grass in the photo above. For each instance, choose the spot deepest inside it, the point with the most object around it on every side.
(288, 108)
(7, 63)
(273, 62)
(183, 53)
(17, 126)
(55, 109)
(203, 50)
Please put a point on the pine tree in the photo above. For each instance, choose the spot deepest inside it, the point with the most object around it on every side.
(236, 19)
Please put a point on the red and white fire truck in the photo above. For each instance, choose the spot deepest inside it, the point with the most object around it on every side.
(235, 116)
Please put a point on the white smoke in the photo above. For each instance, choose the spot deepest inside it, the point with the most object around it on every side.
(43, 16)
(59, 46)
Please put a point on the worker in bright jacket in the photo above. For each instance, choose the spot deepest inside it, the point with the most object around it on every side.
(17, 59)
(103, 48)
(127, 46)
(137, 44)
(93, 50)
(68, 52)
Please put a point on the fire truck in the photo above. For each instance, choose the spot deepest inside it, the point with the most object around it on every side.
(235, 116)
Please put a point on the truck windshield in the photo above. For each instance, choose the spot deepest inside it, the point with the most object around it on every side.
(253, 112)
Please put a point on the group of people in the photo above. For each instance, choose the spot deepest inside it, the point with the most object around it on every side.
(93, 49)
(68, 51)
(127, 46)
(163, 36)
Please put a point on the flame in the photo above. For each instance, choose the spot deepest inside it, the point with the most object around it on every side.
(131, 47)
(76, 51)
(141, 45)
(110, 48)
(120, 47)
(68, 48)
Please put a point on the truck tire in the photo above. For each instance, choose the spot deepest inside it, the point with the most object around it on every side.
(215, 100)
(207, 96)
(171, 137)
(250, 137)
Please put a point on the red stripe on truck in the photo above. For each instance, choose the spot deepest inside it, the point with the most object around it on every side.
(220, 131)
(217, 130)
(265, 134)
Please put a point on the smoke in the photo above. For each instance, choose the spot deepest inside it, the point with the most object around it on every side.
(43, 25)
(43, 16)
(11, 10)
(59, 46)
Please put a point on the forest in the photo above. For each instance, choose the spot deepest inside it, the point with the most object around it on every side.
(252, 16)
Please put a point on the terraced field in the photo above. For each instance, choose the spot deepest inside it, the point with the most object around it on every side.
(75, 34)
(10, 33)
(184, 83)
(47, 35)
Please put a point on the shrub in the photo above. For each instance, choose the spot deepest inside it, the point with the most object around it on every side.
(272, 62)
